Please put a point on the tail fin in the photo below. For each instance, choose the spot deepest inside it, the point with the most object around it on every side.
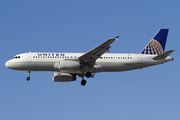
(157, 45)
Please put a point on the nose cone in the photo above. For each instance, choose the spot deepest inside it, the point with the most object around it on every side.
(10, 64)
(7, 64)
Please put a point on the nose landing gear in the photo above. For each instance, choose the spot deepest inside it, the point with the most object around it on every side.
(28, 78)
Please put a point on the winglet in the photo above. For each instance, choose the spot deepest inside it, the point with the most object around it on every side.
(117, 37)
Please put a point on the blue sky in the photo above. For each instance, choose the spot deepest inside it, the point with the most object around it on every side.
(78, 26)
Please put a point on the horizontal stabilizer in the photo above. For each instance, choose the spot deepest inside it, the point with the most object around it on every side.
(163, 55)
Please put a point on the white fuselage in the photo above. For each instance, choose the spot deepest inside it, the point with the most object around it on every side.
(113, 62)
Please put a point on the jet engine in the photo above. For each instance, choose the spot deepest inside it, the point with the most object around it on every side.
(63, 77)
(67, 64)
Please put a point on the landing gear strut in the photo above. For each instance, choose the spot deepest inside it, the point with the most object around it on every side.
(28, 78)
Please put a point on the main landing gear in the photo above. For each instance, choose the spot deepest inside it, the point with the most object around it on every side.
(83, 82)
(88, 75)
(28, 78)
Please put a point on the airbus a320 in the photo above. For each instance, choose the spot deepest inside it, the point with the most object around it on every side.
(70, 65)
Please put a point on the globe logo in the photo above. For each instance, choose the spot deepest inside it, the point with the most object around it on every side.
(153, 47)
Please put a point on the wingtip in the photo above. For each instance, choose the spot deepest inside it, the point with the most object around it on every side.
(117, 37)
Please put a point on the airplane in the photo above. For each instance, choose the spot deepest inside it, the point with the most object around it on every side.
(69, 65)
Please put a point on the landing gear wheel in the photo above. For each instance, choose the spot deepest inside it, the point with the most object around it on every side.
(83, 82)
(88, 74)
(28, 78)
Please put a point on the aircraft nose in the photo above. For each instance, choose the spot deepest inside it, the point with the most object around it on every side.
(13, 65)
(7, 64)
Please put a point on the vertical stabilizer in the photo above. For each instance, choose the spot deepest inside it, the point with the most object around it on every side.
(157, 45)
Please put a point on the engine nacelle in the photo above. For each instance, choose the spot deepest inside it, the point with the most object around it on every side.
(63, 77)
(67, 64)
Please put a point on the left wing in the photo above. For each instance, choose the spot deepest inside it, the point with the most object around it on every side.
(92, 55)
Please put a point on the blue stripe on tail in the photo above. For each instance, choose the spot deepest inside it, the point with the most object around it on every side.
(157, 45)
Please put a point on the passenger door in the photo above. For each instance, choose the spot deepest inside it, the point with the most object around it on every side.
(28, 57)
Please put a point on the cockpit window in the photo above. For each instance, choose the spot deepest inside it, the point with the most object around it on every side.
(16, 57)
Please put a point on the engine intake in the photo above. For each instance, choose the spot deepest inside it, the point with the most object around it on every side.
(63, 77)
